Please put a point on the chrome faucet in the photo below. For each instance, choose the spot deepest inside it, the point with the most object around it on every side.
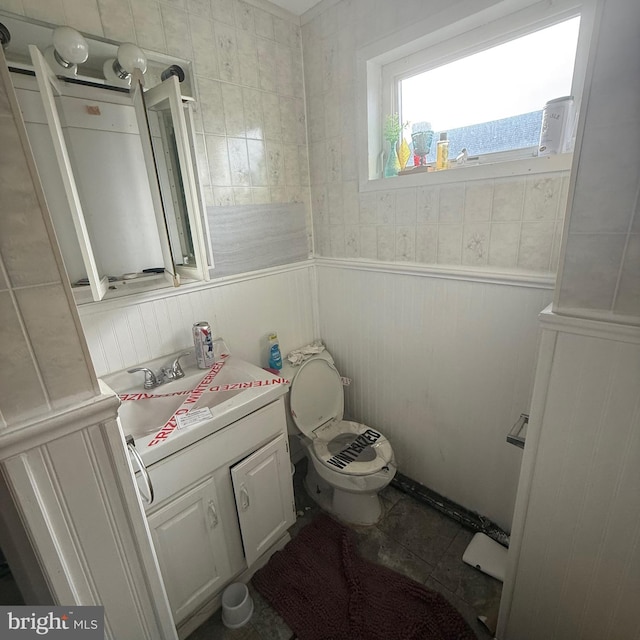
(150, 379)
(166, 374)
(175, 372)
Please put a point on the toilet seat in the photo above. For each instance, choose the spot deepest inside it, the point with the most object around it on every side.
(317, 406)
(352, 448)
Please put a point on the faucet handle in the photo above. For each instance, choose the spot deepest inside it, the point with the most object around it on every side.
(176, 368)
(150, 380)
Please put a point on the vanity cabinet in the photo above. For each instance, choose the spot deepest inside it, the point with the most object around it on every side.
(222, 505)
(264, 497)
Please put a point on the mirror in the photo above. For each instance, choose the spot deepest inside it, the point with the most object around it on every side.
(117, 165)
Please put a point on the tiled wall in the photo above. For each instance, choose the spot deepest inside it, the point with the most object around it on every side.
(251, 140)
(601, 272)
(44, 362)
(512, 223)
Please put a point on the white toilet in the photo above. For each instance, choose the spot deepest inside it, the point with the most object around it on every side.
(349, 463)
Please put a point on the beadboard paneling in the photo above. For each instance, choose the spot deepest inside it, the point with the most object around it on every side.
(577, 565)
(241, 312)
(444, 368)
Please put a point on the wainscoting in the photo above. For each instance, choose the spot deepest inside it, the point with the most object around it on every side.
(574, 561)
(242, 310)
(443, 366)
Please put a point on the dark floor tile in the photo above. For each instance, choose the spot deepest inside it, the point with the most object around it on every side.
(391, 494)
(411, 538)
(480, 591)
(213, 628)
(378, 547)
(421, 529)
(266, 621)
(464, 609)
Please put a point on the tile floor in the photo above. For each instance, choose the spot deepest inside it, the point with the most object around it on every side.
(412, 539)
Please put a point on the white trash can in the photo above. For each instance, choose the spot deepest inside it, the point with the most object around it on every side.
(237, 606)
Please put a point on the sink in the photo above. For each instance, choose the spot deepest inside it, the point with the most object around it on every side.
(144, 417)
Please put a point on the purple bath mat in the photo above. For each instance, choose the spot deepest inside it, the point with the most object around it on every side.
(325, 591)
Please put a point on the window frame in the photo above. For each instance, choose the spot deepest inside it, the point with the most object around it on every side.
(451, 35)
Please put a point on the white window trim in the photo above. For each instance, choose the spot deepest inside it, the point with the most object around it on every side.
(444, 34)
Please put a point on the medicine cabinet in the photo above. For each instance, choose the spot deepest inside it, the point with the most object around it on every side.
(118, 171)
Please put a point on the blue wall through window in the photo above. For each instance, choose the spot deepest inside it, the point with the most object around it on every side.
(516, 132)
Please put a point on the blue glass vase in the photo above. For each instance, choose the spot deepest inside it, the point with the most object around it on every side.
(392, 166)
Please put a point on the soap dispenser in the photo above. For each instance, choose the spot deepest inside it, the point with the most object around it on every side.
(275, 357)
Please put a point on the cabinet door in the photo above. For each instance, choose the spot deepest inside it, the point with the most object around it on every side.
(191, 548)
(47, 84)
(264, 497)
(177, 179)
(138, 99)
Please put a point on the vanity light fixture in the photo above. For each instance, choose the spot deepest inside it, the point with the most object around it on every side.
(118, 70)
(5, 36)
(69, 50)
(173, 70)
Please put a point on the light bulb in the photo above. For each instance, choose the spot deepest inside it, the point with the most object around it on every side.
(70, 47)
(130, 57)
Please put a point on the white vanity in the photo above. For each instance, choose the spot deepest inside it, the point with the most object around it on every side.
(219, 493)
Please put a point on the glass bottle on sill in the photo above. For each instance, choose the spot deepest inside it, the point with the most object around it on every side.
(392, 166)
(442, 152)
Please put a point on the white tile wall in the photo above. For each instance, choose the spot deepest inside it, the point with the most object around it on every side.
(331, 36)
(507, 223)
(600, 274)
(44, 360)
(248, 68)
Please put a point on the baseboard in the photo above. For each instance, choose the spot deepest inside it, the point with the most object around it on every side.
(468, 519)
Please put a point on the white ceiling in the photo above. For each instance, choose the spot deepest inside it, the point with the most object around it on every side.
(298, 7)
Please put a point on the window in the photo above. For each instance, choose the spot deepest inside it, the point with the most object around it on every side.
(483, 79)
(491, 101)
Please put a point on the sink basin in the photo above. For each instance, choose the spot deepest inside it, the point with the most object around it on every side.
(144, 412)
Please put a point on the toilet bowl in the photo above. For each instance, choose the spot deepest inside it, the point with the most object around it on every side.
(349, 462)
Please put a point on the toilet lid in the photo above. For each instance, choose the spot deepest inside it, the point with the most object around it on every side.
(316, 395)
(352, 448)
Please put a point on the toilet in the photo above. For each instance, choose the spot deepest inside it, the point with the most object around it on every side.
(349, 463)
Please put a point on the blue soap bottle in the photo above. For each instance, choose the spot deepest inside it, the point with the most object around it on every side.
(275, 357)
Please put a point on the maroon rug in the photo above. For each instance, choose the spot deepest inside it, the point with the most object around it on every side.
(325, 591)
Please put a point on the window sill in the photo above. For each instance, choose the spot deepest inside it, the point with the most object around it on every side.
(528, 166)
